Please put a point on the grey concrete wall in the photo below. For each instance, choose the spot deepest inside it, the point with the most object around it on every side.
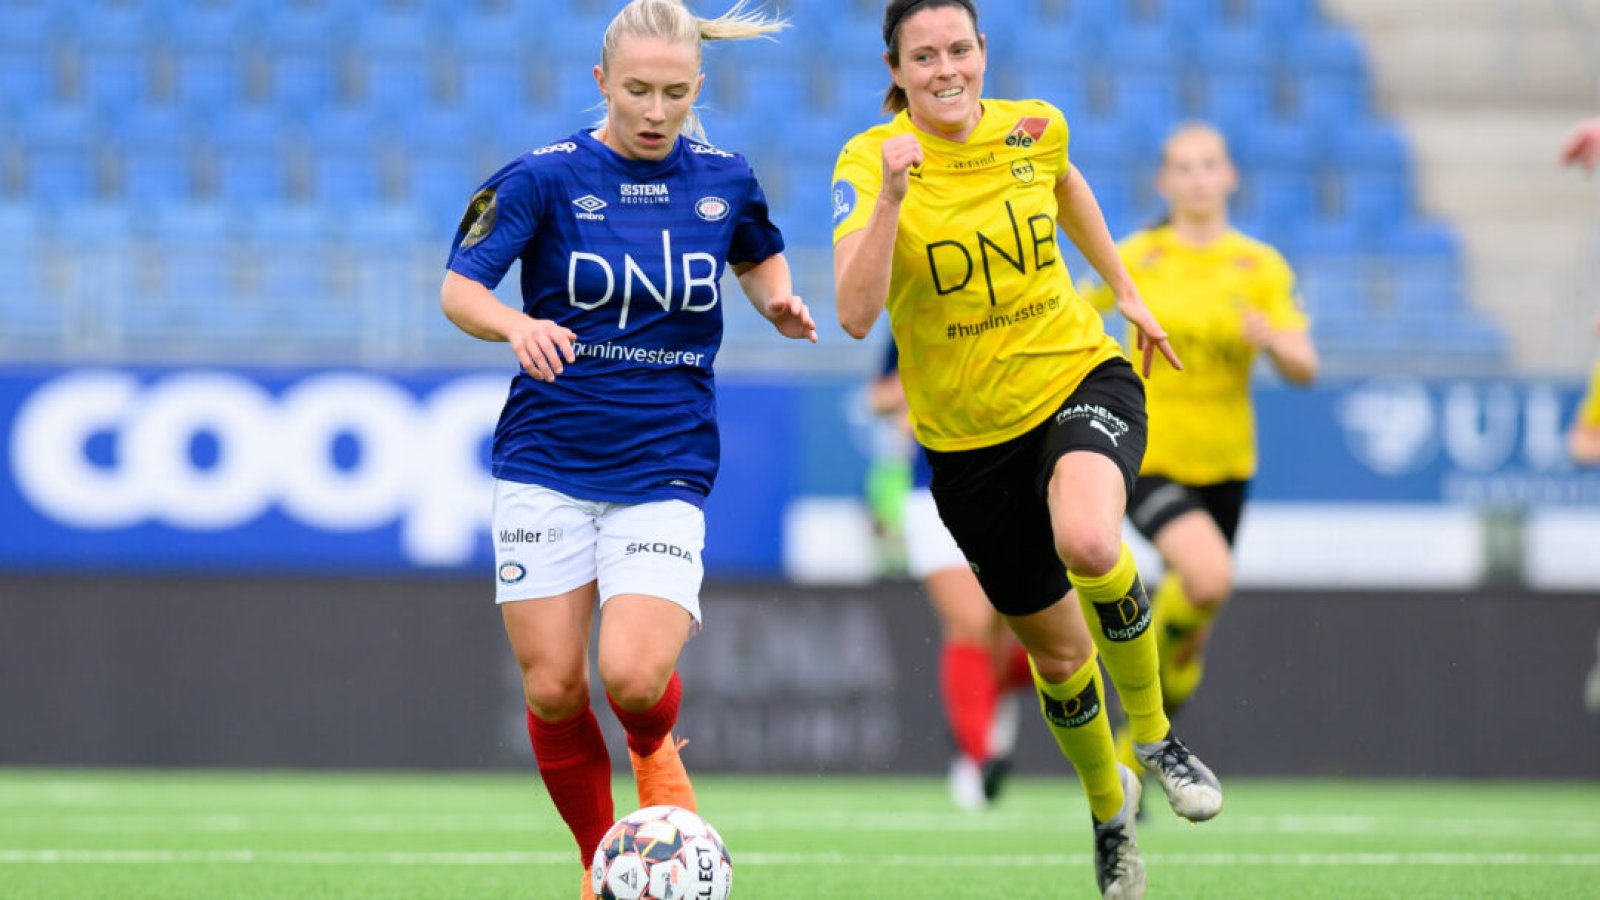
(414, 673)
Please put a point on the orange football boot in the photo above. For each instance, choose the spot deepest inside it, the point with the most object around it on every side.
(661, 777)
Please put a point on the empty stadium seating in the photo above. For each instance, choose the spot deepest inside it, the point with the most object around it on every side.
(222, 159)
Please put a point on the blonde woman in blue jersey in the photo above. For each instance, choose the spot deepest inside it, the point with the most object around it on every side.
(1033, 419)
(607, 446)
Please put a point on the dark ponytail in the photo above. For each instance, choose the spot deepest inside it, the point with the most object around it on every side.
(895, 12)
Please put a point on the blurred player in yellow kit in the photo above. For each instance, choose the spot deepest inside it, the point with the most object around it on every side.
(1224, 298)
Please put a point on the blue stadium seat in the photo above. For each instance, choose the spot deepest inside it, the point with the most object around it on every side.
(33, 27)
(291, 250)
(61, 162)
(303, 78)
(1326, 50)
(349, 155)
(1236, 101)
(251, 164)
(192, 255)
(1285, 17)
(1280, 199)
(1152, 99)
(1377, 201)
(1277, 145)
(493, 87)
(19, 224)
(1145, 47)
(441, 182)
(92, 224)
(855, 92)
(114, 77)
(574, 93)
(221, 27)
(210, 79)
(765, 86)
(1067, 89)
(1373, 147)
(155, 152)
(27, 77)
(1236, 49)
(1331, 101)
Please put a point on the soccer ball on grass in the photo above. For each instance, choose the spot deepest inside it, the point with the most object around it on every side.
(661, 853)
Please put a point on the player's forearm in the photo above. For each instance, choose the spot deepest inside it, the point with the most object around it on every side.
(765, 281)
(861, 281)
(1294, 356)
(475, 309)
(1084, 224)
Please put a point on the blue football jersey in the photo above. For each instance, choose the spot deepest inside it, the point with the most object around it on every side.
(628, 254)
(921, 469)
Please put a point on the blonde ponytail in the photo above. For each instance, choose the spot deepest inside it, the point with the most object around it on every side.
(671, 20)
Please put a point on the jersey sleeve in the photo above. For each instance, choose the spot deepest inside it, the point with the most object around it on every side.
(755, 237)
(500, 221)
(1061, 159)
(857, 179)
(1280, 299)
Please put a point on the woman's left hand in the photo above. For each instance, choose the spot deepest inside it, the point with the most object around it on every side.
(791, 317)
(1152, 336)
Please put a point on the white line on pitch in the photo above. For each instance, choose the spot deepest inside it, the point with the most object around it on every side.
(517, 858)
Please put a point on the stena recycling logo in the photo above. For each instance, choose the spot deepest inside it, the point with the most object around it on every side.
(417, 463)
(1389, 425)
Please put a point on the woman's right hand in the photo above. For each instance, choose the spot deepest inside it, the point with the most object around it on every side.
(541, 346)
(901, 154)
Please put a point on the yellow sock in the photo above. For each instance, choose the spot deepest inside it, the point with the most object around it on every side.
(1122, 738)
(1118, 613)
(1076, 715)
(1175, 619)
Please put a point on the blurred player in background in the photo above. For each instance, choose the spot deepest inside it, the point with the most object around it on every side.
(1583, 439)
(1223, 298)
(607, 445)
(1032, 417)
(981, 663)
(1582, 148)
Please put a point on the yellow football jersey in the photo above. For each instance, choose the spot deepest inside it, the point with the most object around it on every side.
(1589, 413)
(992, 335)
(1202, 422)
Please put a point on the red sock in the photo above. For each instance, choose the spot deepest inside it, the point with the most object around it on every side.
(966, 675)
(576, 769)
(1018, 674)
(646, 730)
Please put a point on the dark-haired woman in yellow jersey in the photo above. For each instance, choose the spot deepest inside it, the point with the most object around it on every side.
(1224, 298)
(1032, 417)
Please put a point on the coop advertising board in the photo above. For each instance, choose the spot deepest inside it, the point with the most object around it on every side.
(344, 470)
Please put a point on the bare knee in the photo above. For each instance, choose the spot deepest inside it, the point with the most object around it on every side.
(1059, 665)
(554, 696)
(636, 685)
(1088, 549)
(1209, 587)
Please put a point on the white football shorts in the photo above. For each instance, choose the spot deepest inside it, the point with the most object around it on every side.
(547, 543)
(929, 546)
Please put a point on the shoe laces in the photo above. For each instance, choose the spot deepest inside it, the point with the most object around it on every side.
(1109, 842)
(1173, 759)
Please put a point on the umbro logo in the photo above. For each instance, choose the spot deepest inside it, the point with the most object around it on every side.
(590, 206)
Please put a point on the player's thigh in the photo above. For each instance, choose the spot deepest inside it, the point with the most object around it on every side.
(1092, 451)
(650, 574)
(550, 638)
